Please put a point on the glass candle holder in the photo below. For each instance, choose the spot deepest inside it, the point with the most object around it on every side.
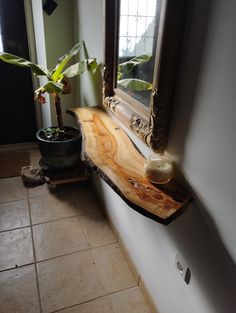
(158, 169)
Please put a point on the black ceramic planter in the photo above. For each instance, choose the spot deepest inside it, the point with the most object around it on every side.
(60, 154)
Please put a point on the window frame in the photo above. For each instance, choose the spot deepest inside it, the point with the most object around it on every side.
(148, 123)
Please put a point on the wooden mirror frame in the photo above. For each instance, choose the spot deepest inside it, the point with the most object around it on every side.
(148, 123)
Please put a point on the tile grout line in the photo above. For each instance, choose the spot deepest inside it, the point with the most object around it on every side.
(34, 253)
(77, 251)
(16, 267)
(59, 256)
(97, 271)
(61, 218)
(41, 223)
(94, 299)
(86, 235)
(16, 228)
(13, 200)
(55, 220)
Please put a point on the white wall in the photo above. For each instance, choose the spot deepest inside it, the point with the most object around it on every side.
(59, 39)
(202, 142)
(90, 26)
(206, 144)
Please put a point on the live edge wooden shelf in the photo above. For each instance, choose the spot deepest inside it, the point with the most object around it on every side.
(110, 152)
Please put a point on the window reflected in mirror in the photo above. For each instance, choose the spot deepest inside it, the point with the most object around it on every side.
(138, 29)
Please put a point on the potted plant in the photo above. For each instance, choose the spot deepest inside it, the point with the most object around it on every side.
(60, 145)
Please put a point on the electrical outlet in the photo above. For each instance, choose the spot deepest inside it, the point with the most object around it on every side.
(182, 268)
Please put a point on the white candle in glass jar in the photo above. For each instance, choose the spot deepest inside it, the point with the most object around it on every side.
(158, 169)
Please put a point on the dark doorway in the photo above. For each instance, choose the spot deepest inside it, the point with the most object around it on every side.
(17, 112)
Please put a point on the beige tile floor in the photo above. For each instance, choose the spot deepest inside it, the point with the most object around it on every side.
(58, 253)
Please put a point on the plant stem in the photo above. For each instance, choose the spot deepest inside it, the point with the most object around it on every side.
(57, 102)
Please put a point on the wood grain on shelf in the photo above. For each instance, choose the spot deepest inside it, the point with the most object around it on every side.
(113, 156)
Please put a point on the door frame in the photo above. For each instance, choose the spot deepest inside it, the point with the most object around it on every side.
(33, 56)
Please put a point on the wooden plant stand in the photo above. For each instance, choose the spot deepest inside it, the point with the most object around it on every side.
(57, 177)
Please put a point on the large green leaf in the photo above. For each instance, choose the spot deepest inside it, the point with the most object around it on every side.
(38, 70)
(134, 84)
(51, 87)
(127, 67)
(80, 68)
(64, 60)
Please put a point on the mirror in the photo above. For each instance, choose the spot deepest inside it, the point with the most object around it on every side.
(142, 44)
(138, 27)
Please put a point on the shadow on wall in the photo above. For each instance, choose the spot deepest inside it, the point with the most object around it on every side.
(213, 273)
(195, 234)
(210, 264)
(194, 41)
